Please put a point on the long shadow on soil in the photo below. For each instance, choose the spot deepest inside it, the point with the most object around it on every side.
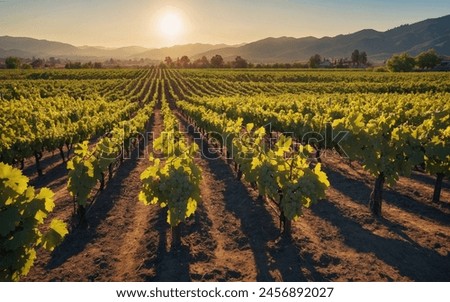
(169, 265)
(359, 192)
(429, 179)
(51, 164)
(256, 222)
(76, 241)
(172, 265)
(54, 176)
(47, 163)
(412, 260)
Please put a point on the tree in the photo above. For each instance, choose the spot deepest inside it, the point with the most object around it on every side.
(239, 62)
(314, 61)
(168, 61)
(401, 63)
(12, 62)
(52, 61)
(73, 65)
(362, 59)
(184, 62)
(217, 61)
(87, 65)
(355, 57)
(37, 63)
(204, 62)
(428, 59)
(201, 63)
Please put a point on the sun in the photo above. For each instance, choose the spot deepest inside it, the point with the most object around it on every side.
(170, 25)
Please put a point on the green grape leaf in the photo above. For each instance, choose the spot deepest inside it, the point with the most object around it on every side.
(46, 195)
(12, 182)
(55, 235)
(9, 218)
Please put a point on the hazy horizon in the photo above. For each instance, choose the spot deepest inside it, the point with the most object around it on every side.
(156, 24)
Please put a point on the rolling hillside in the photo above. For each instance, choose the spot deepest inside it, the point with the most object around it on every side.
(414, 38)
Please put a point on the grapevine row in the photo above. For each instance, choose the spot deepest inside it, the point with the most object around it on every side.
(173, 179)
(90, 164)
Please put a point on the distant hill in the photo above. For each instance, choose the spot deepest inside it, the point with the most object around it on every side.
(413, 38)
(36, 47)
(102, 52)
(178, 51)
(29, 47)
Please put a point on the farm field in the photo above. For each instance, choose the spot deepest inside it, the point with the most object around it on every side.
(275, 175)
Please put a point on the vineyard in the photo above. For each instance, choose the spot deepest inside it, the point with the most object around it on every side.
(224, 175)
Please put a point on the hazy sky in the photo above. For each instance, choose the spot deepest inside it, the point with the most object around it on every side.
(115, 23)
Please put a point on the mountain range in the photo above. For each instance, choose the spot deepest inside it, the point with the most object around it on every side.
(411, 38)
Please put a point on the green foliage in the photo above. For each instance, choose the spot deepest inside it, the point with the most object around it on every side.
(184, 62)
(382, 129)
(240, 62)
(22, 211)
(362, 59)
(382, 144)
(12, 63)
(87, 166)
(314, 61)
(69, 106)
(355, 56)
(33, 124)
(83, 174)
(281, 172)
(358, 57)
(73, 65)
(174, 182)
(434, 134)
(401, 63)
(217, 61)
(380, 69)
(428, 59)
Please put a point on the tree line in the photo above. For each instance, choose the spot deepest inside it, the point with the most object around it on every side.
(17, 63)
(404, 62)
(358, 59)
(216, 61)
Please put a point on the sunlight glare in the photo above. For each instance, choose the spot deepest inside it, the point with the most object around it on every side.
(170, 25)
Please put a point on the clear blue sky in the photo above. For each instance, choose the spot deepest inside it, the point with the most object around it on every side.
(115, 23)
